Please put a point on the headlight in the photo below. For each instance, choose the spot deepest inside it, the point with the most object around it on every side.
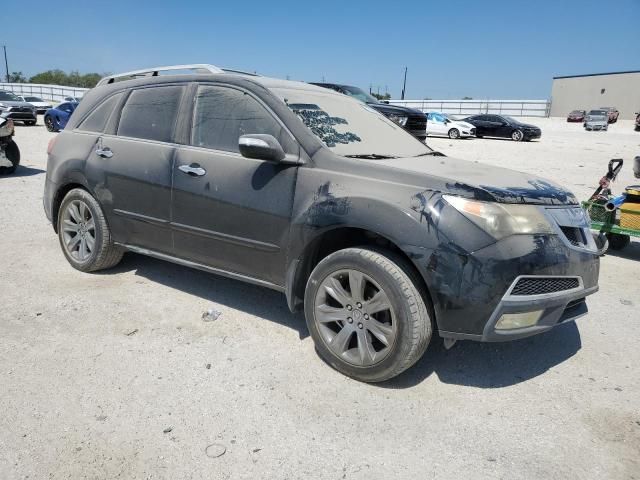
(501, 220)
(399, 119)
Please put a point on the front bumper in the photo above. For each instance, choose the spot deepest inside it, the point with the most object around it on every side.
(19, 116)
(532, 134)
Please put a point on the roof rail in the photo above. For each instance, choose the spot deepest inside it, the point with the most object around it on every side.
(154, 72)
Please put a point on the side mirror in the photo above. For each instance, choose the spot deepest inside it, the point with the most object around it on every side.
(261, 147)
(447, 121)
(385, 101)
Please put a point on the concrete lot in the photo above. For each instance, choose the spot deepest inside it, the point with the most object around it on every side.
(96, 368)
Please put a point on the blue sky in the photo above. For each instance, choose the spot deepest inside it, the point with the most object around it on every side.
(482, 49)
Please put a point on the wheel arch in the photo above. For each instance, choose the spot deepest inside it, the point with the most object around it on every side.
(339, 238)
(76, 181)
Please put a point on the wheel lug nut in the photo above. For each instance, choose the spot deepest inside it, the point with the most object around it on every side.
(349, 307)
(349, 319)
(359, 305)
(359, 325)
(366, 316)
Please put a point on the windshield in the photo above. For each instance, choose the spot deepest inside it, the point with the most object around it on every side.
(33, 99)
(348, 127)
(598, 117)
(510, 119)
(577, 112)
(9, 97)
(359, 94)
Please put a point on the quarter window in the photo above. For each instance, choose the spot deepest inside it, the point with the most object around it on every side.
(150, 113)
(223, 114)
(97, 120)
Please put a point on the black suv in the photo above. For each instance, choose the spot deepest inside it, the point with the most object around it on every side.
(412, 120)
(283, 184)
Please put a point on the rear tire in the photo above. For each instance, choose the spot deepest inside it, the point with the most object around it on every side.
(13, 155)
(84, 235)
(379, 343)
(618, 241)
(31, 123)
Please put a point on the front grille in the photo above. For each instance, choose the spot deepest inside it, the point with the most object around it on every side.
(543, 285)
(575, 235)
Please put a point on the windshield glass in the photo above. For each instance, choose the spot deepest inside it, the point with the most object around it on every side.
(577, 112)
(598, 118)
(9, 97)
(359, 94)
(33, 99)
(348, 127)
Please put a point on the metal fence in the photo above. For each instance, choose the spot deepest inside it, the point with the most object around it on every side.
(514, 108)
(56, 93)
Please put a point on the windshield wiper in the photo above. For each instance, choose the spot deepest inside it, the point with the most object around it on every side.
(435, 153)
(371, 156)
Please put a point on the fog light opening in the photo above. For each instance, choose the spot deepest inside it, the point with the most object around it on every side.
(511, 321)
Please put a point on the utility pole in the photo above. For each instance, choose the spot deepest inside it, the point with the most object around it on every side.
(6, 64)
(404, 84)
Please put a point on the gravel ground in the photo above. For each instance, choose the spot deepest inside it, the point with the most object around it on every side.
(115, 375)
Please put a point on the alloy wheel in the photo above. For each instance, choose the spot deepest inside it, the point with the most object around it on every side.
(517, 135)
(355, 318)
(78, 230)
(49, 123)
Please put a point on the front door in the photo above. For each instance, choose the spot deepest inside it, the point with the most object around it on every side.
(228, 211)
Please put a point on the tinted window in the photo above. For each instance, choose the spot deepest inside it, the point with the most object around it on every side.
(97, 120)
(33, 99)
(223, 114)
(65, 107)
(150, 113)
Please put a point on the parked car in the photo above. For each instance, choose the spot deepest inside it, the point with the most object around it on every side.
(576, 116)
(55, 119)
(412, 120)
(637, 126)
(380, 239)
(597, 120)
(612, 113)
(73, 99)
(488, 125)
(40, 104)
(11, 106)
(9, 151)
(443, 125)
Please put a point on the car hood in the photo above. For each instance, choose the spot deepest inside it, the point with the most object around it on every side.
(391, 109)
(15, 104)
(483, 182)
(525, 125)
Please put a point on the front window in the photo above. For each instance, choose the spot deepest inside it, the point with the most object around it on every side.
(359, 94)
(350, 128)
(9, 97)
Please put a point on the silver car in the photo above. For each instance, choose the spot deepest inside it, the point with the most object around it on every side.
(597, 120)
(18, 110)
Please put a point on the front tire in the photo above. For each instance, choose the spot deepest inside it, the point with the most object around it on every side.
(30, 123)
(618, 241)
(13, 155)
(84, 235)
(517, 135)
(454, 134)
(366, 315)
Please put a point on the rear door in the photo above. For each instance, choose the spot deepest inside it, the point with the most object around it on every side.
(137, 158)
(232, 212)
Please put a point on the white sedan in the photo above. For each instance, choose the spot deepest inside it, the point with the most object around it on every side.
(443, 125)
(40, 104)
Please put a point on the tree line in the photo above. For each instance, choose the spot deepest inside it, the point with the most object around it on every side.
(58, 77)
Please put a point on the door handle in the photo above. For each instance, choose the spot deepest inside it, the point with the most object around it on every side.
(105, 152)
(195, 170)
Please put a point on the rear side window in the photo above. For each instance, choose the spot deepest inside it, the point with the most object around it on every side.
(97, 120)
(150, 113)
(223, 114)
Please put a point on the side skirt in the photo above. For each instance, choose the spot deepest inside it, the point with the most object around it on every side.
(199, 266)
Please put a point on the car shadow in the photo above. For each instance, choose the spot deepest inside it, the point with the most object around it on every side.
(630, 252)
(482, 365)
(492, 365)
(23, 171)
(254, 300)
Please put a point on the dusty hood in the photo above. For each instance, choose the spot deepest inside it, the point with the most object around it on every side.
(483, 182)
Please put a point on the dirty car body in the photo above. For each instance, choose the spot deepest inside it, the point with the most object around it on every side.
(336, 184)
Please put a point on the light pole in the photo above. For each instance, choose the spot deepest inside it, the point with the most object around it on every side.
(6, 64)
(404, 84)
